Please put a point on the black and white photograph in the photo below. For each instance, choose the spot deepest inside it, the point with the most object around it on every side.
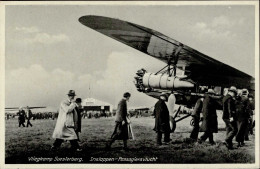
(131, 83)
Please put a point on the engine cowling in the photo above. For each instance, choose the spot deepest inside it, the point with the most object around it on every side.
(145, 80)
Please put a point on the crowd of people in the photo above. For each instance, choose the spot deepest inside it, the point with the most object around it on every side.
(238, 110)
(96, 114)
(237, 116)
(24, 116)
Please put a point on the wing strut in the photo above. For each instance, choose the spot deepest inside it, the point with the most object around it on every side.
(176, 58)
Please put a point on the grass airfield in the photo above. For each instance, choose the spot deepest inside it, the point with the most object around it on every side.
(32, 145)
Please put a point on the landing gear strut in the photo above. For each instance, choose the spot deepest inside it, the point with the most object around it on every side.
(174, 121)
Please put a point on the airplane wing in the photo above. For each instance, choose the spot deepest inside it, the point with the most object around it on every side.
(200, 68)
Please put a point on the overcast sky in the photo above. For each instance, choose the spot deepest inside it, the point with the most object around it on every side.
(48, 52)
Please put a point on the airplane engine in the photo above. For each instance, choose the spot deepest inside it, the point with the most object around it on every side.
(145, 80)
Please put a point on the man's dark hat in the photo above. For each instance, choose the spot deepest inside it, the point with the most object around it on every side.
(72, 93)
(78, 100)
(127, 94)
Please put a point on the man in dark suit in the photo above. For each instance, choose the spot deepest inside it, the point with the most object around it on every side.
(21, 117)
(243, 115)
(77, 117)
(229, 116)
(121, 130)
(162, 123)
(210, 122)
(196, 116)
(251, 123)
(28, 115)
(196, 119)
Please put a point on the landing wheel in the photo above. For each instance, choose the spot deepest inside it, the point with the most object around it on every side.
(192, 122)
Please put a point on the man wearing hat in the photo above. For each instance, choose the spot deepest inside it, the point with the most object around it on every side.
(196, 117)
(64, 129)
(28, 116)
(210, 122)
(250, 109)
(21, 117)
(229, 116)
(162, 124)
(243, 116)
(77, 116)
(121, 128)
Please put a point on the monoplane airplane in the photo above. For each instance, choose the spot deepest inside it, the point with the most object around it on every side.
(17, 108)
(186, 69)
(140, 111)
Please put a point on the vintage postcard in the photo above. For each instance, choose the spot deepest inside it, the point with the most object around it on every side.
(130, 84)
